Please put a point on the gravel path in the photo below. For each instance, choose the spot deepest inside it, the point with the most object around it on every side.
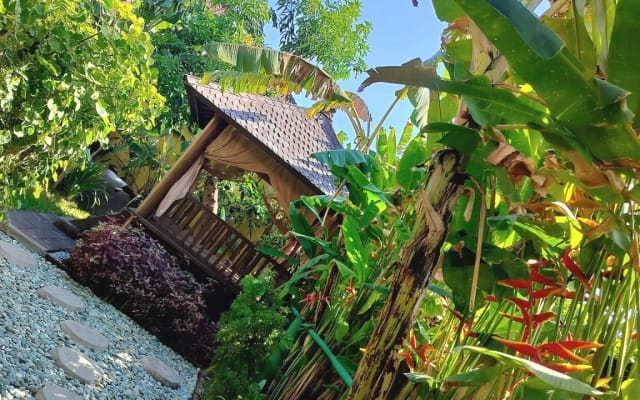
(30, 328)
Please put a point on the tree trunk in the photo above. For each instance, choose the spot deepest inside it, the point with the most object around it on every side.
(434, 206)
(210, 194)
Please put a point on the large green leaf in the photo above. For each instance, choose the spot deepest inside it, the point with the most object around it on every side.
(272, 69)
(497, 102)
(574, 33)
(593, 110)
(547, 375)
(411, 166)
(624, 57)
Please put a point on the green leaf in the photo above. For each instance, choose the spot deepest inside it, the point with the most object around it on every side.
(419, 98)
(630, 389)
(354, 247)
(102, 112)
(343, 158)
(270, 68)
(345, 271)
(623, 53)
(270, 251)
(573, 32)
(447, 10)
(410, 170)
(418, 377)
(461, 138)
(547, 375)
(476, 376)
(458, 273)
(576, 98)
(342, 329)
(550, 234)
(303, 230)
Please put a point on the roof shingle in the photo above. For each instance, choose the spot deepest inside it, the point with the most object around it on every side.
(282, 127)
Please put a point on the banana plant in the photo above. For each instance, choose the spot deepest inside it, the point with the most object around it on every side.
(554, 148)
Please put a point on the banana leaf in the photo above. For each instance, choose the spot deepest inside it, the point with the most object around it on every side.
(624, 57)
(593, 110)
(273, 69)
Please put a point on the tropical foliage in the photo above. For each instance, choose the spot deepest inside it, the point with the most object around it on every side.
(136, 274)
(73, 72)
(535, 292)
(311, 29)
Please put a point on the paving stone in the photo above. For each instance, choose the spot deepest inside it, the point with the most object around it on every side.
(84, 335)
(15, 255)
(62, 297)
(76, 365)
(161, 371)
(55, 392)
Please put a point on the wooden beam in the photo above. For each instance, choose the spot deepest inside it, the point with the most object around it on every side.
(186, 160)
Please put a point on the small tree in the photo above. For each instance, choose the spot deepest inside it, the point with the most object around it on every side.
(248, 333)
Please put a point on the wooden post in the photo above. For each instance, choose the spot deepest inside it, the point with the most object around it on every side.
(195, 150)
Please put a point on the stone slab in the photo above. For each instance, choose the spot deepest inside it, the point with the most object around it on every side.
(84, 335)
(161, 372)
(37, 232)
(54, 392)
(15, 255)
(76, 365)
(62, 297)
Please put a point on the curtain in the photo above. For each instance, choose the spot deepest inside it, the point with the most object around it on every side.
(234, 149)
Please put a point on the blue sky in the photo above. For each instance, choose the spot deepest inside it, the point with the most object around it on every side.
(399, 33)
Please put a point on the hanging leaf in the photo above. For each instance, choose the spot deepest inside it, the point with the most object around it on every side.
(274, 69)
(556, 379)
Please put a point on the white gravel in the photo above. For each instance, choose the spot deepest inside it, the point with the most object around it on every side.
(30, 328)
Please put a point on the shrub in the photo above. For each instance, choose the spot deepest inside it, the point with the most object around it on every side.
(248, 334)
(138, 276)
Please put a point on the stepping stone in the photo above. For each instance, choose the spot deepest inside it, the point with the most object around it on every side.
(84, 335)
(55, 392)
(161, 371)
(15, 255)
(76, 365)
(62, 297)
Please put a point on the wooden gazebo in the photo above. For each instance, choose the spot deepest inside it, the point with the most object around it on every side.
(247, 132)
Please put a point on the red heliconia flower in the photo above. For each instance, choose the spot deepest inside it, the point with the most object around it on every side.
(546, 292)
(520, 347)
(516, 283)
(412, 339)
(579, 344)
(352, 292)
(521, 303)
(491, 298)
(567, 368)
(539, 278)
(408, 359)
(568, 262)
(561, 351)
(422, 350)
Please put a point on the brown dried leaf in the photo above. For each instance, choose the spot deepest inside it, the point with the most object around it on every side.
(515, 162)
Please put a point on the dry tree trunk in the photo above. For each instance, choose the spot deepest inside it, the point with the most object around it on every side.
(210, 194)
(434, 206)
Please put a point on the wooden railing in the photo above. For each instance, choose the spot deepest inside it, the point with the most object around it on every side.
(215, 247)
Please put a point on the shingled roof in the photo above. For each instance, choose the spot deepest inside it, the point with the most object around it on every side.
(283, 129)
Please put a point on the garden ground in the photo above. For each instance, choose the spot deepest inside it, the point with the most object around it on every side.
(31, 328)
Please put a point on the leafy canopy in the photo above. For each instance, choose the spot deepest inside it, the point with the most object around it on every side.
(72, 73)
(325, 31)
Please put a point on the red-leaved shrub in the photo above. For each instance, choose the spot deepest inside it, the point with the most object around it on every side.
(133, 272)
